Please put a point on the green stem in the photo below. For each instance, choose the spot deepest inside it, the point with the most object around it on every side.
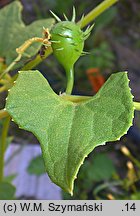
(107, 185)
(135, 161)
(75, 98)
(70, 81)
(37, 60)
(3, 81)
(137, 106)
(2, 89)
(3, 114)
(79, 98)
(2, 145)
(11, 66)
(97, 11)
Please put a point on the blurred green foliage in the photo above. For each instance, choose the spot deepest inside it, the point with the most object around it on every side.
(36, 166)
(10, 178)
(100, 57)
(7, 191)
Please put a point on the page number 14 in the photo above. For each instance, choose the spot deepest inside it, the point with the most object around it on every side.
(130, 206)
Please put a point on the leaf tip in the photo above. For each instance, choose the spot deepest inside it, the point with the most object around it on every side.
(71, 192)
(125, 132)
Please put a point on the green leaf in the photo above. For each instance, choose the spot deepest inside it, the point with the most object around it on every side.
(69, 131)
(8, 139)
(13, 32)
(36, 166)
(7, 191)
(10, 178)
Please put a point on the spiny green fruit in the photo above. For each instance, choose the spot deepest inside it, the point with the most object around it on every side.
(67, 41)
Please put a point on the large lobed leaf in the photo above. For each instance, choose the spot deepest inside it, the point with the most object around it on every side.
(13, 32)
(69, 131)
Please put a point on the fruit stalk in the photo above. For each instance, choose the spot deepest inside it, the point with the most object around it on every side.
(97, 11)
(70, 81)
